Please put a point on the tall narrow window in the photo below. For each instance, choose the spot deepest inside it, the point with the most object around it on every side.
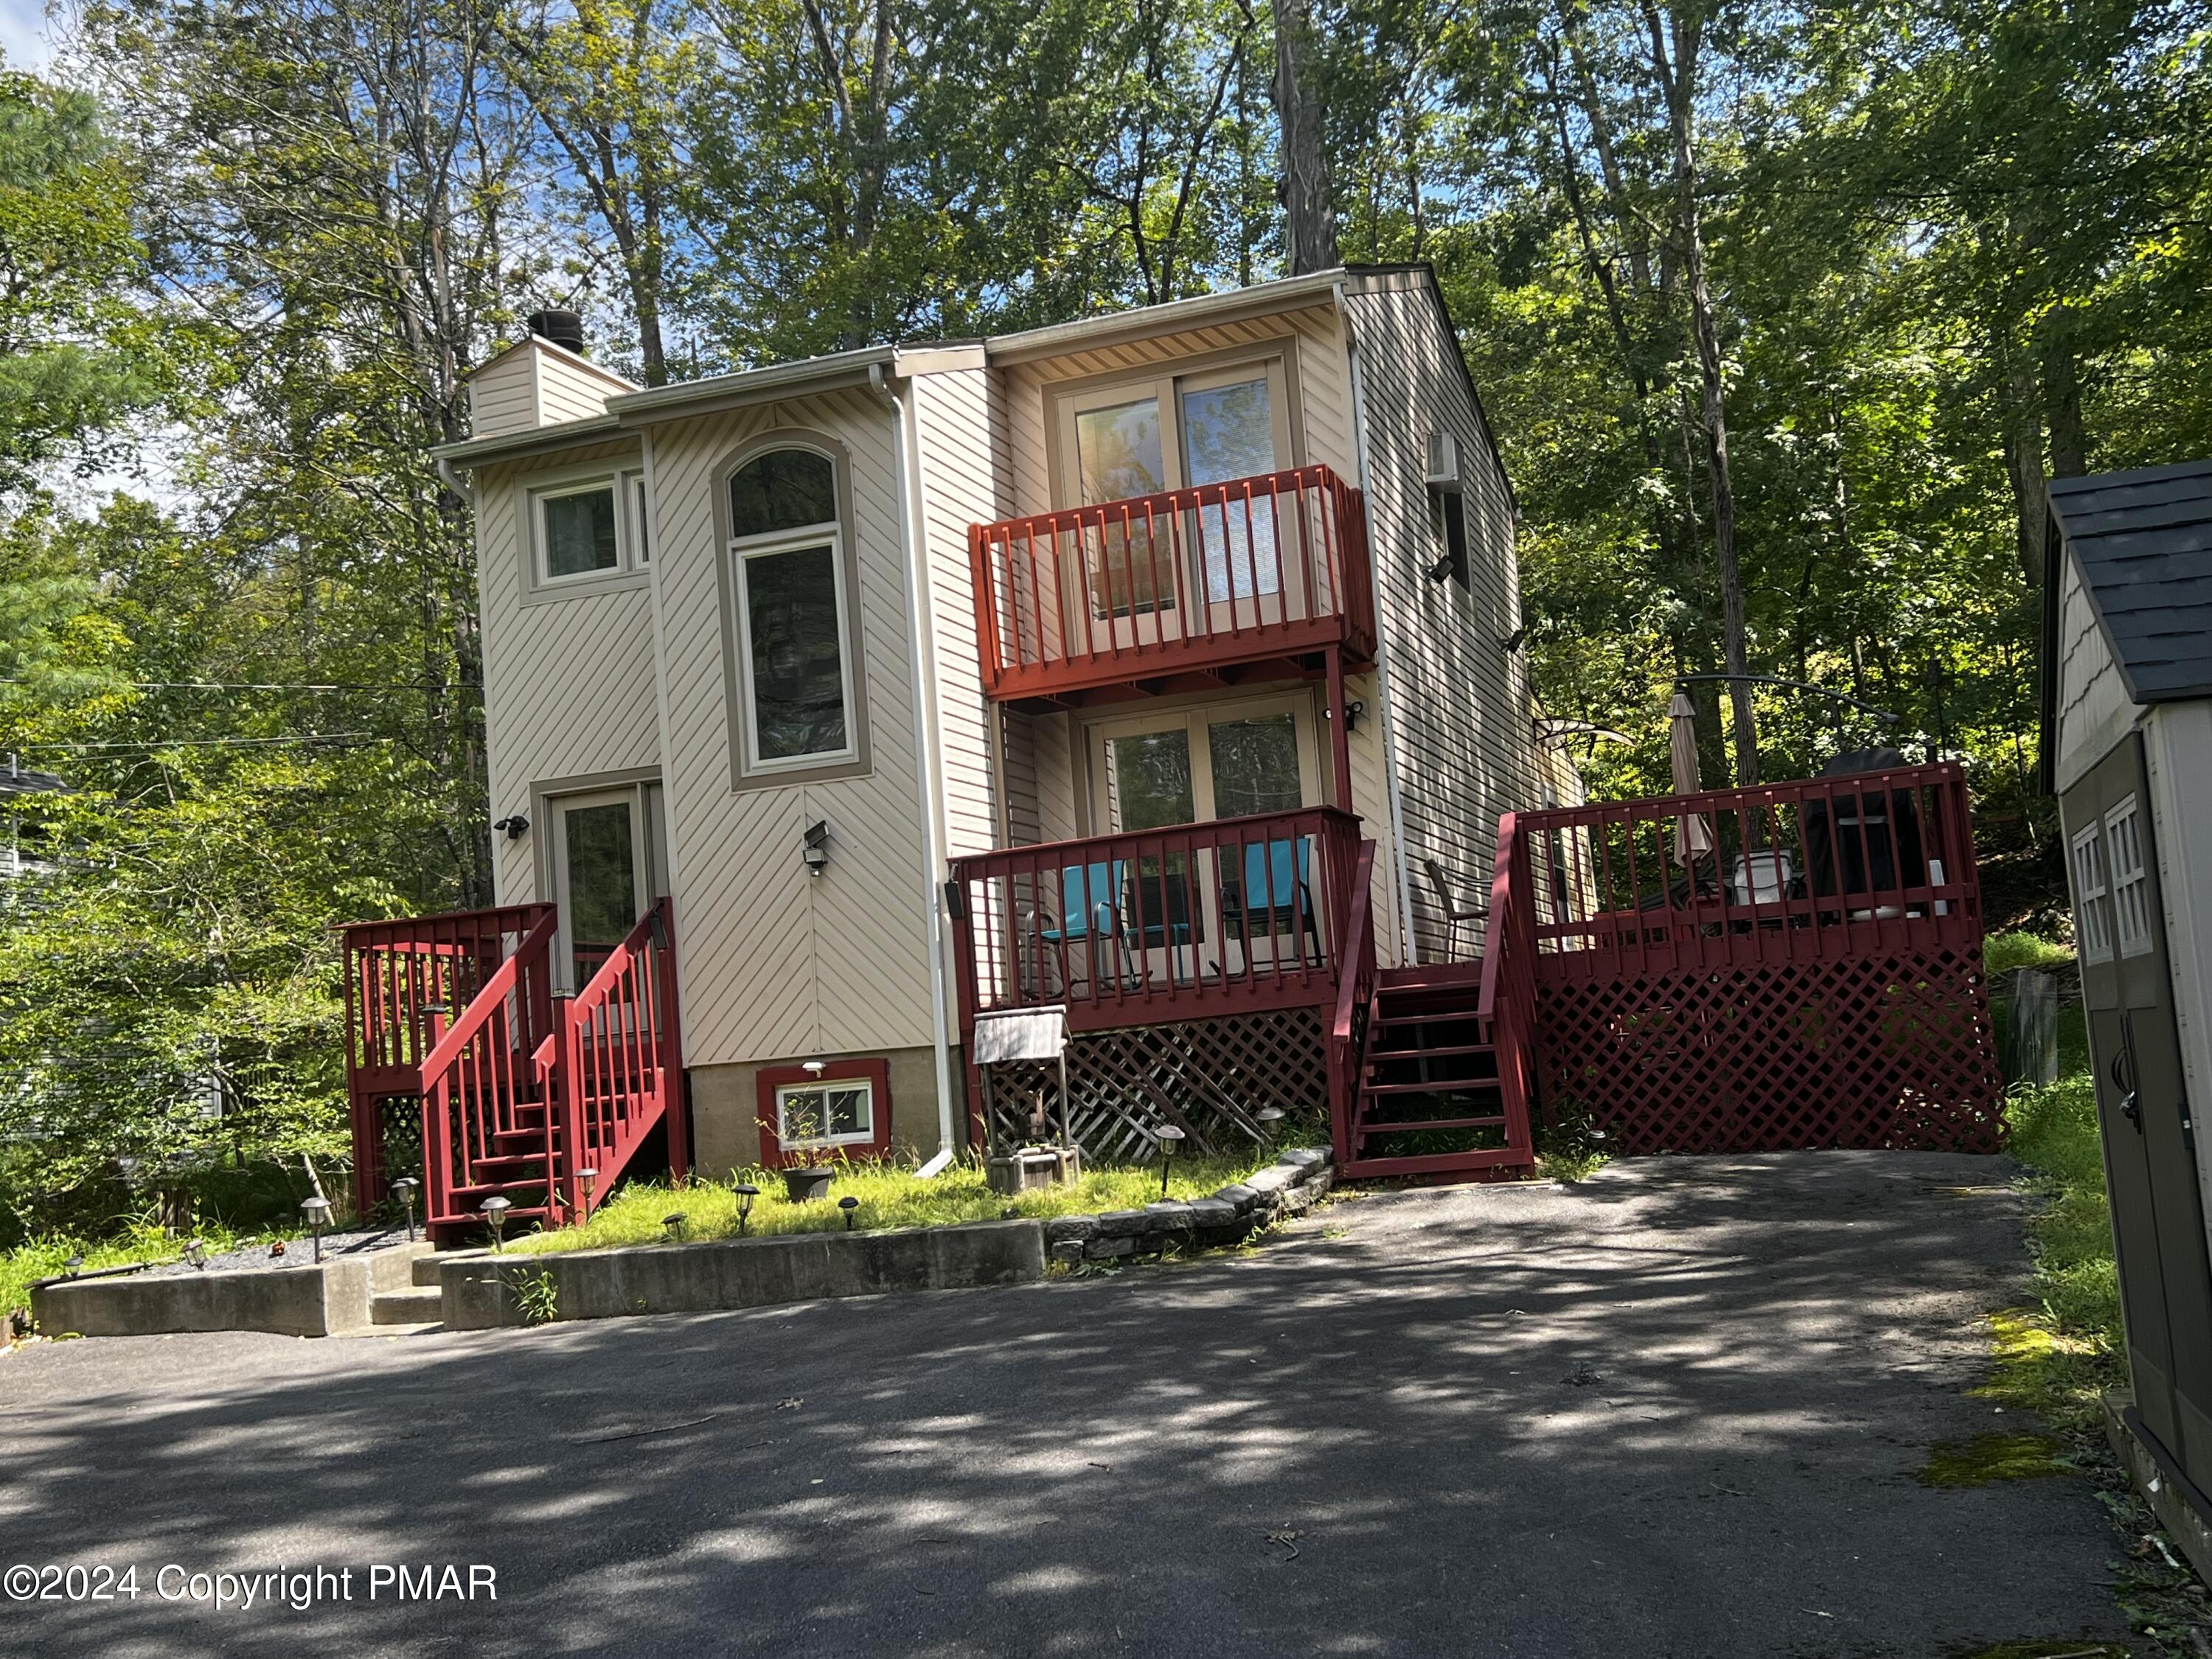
(787, 548)
(2130, 881)
(2092, 903)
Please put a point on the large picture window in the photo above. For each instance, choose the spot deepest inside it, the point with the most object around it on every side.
(787, 555)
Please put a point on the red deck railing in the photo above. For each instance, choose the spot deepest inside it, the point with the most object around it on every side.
(400, 974)
(1811, 870)
(1238, 914)
(1190, 581)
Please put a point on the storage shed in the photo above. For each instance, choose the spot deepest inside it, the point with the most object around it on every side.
(2127, 747)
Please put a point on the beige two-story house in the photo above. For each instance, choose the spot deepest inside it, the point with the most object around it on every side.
(1093, 667)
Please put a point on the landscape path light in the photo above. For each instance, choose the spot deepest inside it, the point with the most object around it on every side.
(746, 1194)
(73, 1266)
(495, 1210)
(673, 1225)
(1168, 1137)
(1268, 1117)
(318, 1212)
(589, 1177)
(850, 1205)
(196, 1252)
(405, 1187)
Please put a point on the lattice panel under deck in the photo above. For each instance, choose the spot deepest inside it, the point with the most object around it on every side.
(1890, 1051)
(1206, 1076)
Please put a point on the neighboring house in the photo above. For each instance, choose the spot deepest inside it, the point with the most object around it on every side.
(815, 651)
(2127, 736)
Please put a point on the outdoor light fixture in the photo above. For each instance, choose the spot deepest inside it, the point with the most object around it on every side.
(849, 1205)
(815, 853)
(746, 1194)
(73, 1265)
(1268, 1117)
(814, 1068)
(318, 1212)
(196, 1252)
(514, 827)
(587, 1177)
(495, 1210)
(1169, 1136)
(673, 1226)
(405, 1187)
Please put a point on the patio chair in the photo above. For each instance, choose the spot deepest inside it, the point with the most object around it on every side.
(1091, 897)
(1454, 912)
(1276, 892)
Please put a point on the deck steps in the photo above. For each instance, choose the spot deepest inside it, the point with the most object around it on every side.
(1430, 1101)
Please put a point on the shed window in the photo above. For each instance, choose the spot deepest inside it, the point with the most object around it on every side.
(2092, 903)
(2130, 883)
(787, 548)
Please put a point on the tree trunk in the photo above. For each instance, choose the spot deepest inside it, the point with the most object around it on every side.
(2023, 449)
(1309, 213)
(1679, 82)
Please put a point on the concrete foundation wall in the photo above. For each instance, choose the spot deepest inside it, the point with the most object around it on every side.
(725, 1132)
(305, 1301)
(480, 1291)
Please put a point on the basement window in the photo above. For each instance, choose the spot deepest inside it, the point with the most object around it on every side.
(840, 1114)
(2092, 903)
(2130, 881)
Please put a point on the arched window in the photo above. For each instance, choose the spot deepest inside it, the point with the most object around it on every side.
(787, 553)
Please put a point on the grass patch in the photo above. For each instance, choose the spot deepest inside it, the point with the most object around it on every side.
(2058, 1355)
(2002, 952)
(1990, 1457)
(891, 1195)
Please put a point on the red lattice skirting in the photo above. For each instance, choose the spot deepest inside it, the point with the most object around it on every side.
(1892, 1051)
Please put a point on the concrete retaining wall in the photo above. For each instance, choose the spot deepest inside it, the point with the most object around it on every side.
(1292, 1184)
(302, 1301)
(481, 1292)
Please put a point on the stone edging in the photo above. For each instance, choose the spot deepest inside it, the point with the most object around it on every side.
(1288, 1187)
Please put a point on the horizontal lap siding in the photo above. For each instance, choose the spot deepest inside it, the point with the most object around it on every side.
(2093, 708)
(502, 397)
(960, 476)
(774, 963)
(569, 689)
(1460, 705)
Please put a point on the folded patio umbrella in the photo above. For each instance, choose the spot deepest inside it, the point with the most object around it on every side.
(1691, 835)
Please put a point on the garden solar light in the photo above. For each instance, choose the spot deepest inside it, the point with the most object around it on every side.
(674, 1223)
(850, 1205)
(495, 1210)
(196, 1252)
(72, 1266)
(318, 1210)
(746, 1194)
(1167, 1135)
(405, 1187)
(587, 1177)
(1269, 1116)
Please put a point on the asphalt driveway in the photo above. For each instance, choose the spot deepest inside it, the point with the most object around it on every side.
(1677, 1410)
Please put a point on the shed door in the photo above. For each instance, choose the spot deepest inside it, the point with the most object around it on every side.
(2150, 1159)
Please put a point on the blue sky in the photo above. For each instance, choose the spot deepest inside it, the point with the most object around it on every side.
(23, 33)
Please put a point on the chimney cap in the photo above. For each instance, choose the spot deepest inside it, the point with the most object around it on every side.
(564, 329)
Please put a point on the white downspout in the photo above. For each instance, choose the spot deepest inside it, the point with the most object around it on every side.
(923, 675)
(1407, 947)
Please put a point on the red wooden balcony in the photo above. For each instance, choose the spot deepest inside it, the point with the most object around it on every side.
(1190, 585)
(1238, 915)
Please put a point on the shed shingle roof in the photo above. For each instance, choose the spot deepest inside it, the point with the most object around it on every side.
(2143, 543)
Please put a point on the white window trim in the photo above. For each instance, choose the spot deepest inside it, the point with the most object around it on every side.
(742, 550)
(786, 1091)
(1165, 382)
(627, 569)
(633, 512)
(2130, 889)
(2091, 891)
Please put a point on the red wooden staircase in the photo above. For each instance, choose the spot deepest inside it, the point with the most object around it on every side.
(1428, 1064)
(541, 1098)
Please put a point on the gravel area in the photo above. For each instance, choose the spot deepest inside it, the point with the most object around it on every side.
(298, 1252)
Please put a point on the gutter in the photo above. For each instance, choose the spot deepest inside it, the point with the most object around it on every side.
(912, 515)
(1408, 949)
(449, 476)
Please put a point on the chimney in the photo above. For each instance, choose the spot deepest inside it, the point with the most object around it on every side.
(563, 328)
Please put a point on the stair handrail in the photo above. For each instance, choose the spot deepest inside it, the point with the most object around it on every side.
(560, 1060)
(1355, 991)
(1505, 1008)
(1499, 925)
